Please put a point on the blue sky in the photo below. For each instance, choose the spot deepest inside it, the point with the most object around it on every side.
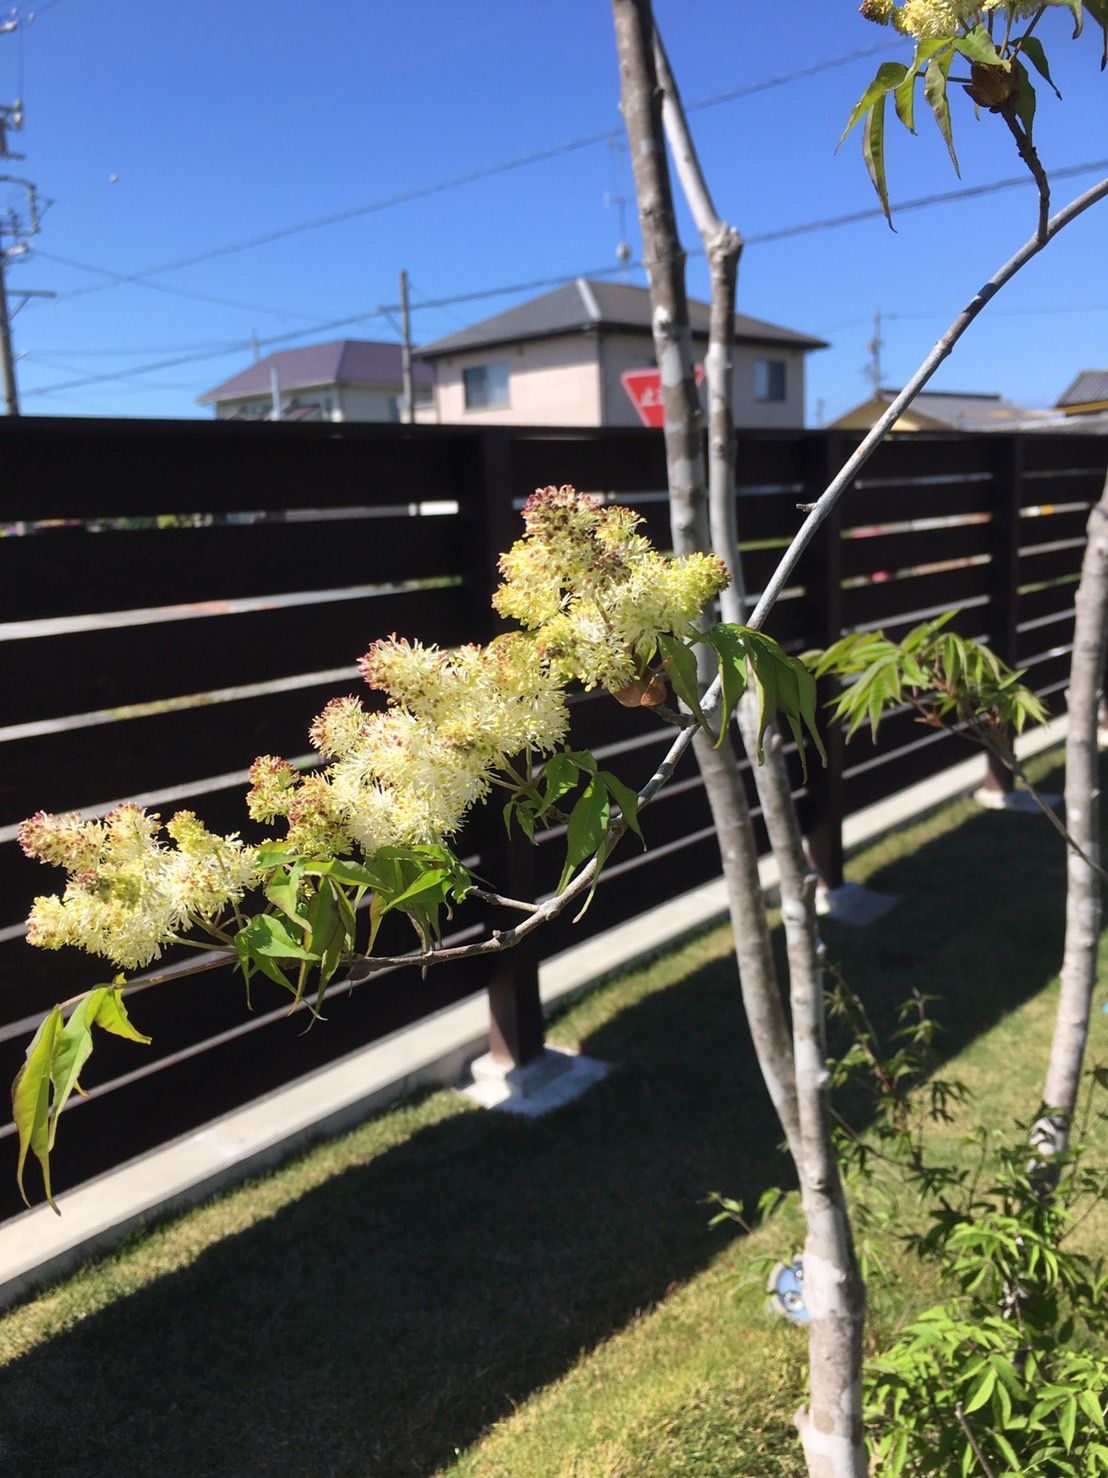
(168, 130)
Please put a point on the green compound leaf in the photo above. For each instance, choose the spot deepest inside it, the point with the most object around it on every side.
(267, 938)
(977, 46)
(1098, 9)
(102, 1007)
(889, 76)
(1025, 100)
(625, 798)
(782, 681)
(873, 152)
(730, 648)
(1032, 48)
(934, 90)
(31, 1102)
(111, 1014)
(561, 774)
(679, 661)
(588, 828)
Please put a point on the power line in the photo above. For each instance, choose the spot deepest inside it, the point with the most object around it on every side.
(384, 311)
(454, 182)
(118, 279)
(536, 284)
(968, 192)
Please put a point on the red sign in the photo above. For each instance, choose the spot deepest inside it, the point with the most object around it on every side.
(644, 390)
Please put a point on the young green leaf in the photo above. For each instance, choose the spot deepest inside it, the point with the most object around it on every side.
(267, 937)
(679, 661)
(873, 152)
(588, 828)
(1032, 48)
(934, 90)
(1025, 100)
(626, 799)
(111, 1014)
(559, 777)
(977, 46)
(889, 76)
(730, 647)
(31, 1101)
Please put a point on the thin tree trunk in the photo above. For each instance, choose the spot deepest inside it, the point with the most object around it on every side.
(665, 264)
(1083, 902)
(831, 1428)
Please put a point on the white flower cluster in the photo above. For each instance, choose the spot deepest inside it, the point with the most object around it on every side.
(930, 19)
(597, 594)
(408, 775)
(128, 894)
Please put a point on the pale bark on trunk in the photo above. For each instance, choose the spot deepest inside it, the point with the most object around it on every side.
(1083, 899)
(831, 1428)
(665, 262)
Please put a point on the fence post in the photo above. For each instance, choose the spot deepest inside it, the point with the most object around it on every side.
(1004, 575)
(515, 1010)
(827, 452)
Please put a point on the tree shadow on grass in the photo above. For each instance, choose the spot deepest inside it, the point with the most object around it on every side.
(387, 1317)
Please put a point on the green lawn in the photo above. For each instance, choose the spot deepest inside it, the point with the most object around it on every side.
(446, 1290)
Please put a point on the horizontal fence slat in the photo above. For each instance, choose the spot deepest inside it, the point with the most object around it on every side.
(1043, 451)
(885, 601)
(83, 672)
(908, 457)
(877, 505)
(62, 468)
(913, 548)
(1049, 564)
(63, 771)
(128, 569)
(1051, 527)
(1047, 600)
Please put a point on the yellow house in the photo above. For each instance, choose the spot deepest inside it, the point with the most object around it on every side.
(941, 410)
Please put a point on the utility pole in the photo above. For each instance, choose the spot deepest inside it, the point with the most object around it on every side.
(875, 345)
(7, 360)
(19, 229)
(406, 350)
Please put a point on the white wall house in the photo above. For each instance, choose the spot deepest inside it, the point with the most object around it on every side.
(558, 360)
(344, 380)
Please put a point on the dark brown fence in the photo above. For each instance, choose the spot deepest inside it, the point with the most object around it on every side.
(179, 597)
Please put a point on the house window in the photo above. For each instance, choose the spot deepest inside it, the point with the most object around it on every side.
(486, 386)
(769, 379)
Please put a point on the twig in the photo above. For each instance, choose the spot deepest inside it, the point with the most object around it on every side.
(499, 901)
(824, 504)
(972, 1440)
(1029, 154)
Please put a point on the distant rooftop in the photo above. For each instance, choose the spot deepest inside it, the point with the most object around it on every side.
(340, 362)
(585, 306)
(1090, 388)
(963, 410)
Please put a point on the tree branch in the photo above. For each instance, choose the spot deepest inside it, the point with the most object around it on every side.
(876, 435)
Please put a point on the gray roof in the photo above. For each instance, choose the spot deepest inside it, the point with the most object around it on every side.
(584, 306)
(1090, 388)
(340, 362)
(964, 410)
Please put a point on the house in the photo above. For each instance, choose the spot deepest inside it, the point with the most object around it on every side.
(1087, 396)
(344, 380)
(559, 359)
(943, 410)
